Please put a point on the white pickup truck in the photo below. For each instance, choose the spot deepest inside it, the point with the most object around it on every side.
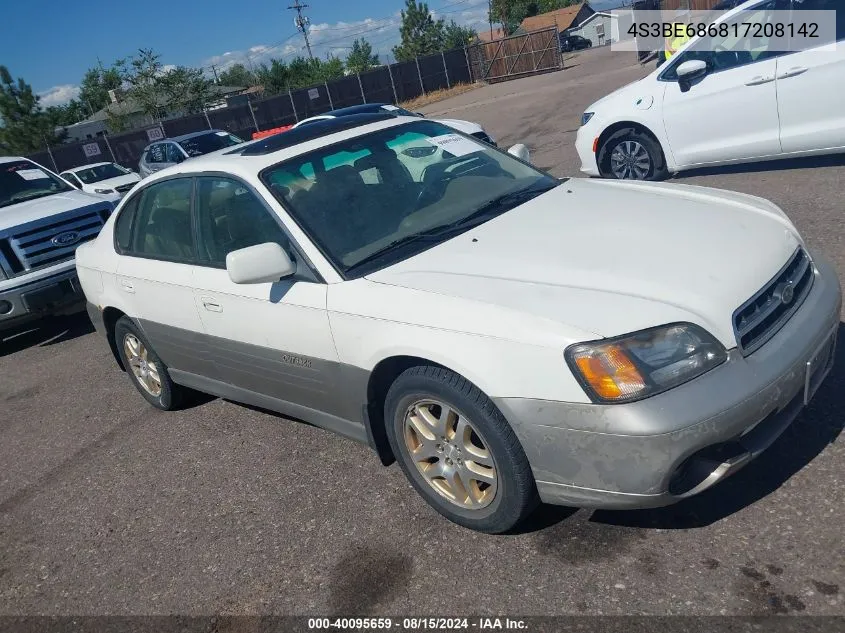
(42, 221)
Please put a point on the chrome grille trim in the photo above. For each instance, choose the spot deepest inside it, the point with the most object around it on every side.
(31, 244)
(764, 314)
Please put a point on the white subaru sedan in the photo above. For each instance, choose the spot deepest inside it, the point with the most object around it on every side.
(506, 336)
(723, 100)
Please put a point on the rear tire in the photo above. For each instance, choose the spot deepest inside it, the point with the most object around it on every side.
(458, 451)
(630, 154)
(145, 369)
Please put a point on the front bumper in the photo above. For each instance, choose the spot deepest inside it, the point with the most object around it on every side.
(57, 294)
(584, 140)
(660, 450)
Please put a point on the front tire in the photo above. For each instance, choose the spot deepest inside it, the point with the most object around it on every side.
(631, 154)
(145, 369)
(458, 451)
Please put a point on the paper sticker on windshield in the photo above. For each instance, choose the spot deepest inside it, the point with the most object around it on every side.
(31, 174)
(455, 145)
(389, 108)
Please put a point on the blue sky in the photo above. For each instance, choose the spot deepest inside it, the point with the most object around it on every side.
(52, 48)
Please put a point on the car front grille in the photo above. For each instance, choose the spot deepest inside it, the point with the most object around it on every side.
(50, 240)
(124, 188)
(759, 318)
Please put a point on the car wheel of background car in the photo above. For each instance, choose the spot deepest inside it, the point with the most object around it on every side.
(632, 155)
(458, 451)
(145, 369)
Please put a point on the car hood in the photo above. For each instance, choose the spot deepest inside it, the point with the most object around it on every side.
(638, 95)
(31, 210)
(611, 257)
(117, 181)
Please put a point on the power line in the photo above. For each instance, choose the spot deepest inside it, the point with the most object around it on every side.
(302, 23)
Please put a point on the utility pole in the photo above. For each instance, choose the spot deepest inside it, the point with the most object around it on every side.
(214, 70)
(301, 22)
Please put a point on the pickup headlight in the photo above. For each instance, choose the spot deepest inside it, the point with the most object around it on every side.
(585, 118)
(644, 363)
(103, 190)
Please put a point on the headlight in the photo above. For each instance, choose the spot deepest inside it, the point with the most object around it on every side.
(645, 363)
(103, 190)
(585, 118)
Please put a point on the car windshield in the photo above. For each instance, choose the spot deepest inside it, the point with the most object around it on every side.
(381, 197)
(211, 142)
(98, 173)
(22, 180)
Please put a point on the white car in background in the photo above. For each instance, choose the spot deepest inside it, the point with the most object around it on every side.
(505, 335)
(716, 103)
(107, 180)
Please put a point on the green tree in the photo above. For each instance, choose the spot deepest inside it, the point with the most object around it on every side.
(361, 57)
(142, 75)
(95, 86)
(457, 36)
(186, 90)
(421, 33)
(330, 69)
(275, 78)
(25, 126)
(237, 75)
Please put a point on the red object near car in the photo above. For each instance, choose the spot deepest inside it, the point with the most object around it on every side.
(265, 133)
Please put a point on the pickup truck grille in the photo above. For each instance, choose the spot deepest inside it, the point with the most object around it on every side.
(759, 318)
(49, 241)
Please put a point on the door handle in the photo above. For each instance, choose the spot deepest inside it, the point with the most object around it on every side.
(792, 72)
(127, 287)
(211, 304)
(759, 80)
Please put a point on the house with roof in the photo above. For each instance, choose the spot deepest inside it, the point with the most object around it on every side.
(600, 28)
(131, 112)
(563, 20)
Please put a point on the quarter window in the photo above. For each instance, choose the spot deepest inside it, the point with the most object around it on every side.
(163, 228)
(123, 224)
(231, 217)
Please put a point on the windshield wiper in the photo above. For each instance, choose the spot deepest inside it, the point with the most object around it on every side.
(496, 206)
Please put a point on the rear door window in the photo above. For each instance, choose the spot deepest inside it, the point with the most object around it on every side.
(163, 228)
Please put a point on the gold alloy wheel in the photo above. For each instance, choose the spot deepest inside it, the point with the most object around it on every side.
(145, 371)
(450, 454)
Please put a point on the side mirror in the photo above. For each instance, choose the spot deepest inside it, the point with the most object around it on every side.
(690, 71)
(262, 263)
(520, 150)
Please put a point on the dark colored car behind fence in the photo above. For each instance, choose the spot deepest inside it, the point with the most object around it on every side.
(395, 83)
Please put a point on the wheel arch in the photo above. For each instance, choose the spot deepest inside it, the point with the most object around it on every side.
(382, 376)
(640, 127)
(110, 318)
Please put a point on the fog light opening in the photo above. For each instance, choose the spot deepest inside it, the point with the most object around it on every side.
(5, 306)
(706, 464)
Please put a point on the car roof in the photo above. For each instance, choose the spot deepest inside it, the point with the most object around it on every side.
(73, 170)
(240, 162)
(9, 159)
(317, 129)
(358, 109)
(183, 137)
